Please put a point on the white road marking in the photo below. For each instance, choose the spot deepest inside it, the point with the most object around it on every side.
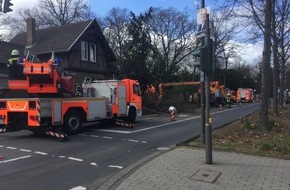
(1, 146)
(131, 140)
(94, 164)
(78, 188)
(162, 125)
(75, 159)
(113, 166)
(14, 159)
(25, 150)
(41, 153)
(10, 147)
(113, 131)
(144, 142)
(95, 136)
(105, 137)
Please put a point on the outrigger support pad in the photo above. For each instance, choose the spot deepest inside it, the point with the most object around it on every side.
(124, 124)
(2, 130)
(60, 135)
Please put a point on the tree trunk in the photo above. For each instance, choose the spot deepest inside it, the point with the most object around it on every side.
(275, 62)
(265, 90)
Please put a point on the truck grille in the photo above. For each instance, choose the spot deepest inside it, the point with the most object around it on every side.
(19, 119)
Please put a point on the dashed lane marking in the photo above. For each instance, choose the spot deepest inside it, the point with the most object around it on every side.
(114, 166)
(94, 164)
(75, 159)
(46, 154)
(14, 159)
(10, 147)
(96, 136)
(78, 188)
(25, 150)
(132, 140)
(112, 131)
(41, 153)
(105, 137)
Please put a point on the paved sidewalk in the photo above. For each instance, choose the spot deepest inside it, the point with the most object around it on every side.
(184, 168)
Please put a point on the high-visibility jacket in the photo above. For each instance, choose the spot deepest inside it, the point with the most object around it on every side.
(11, 61)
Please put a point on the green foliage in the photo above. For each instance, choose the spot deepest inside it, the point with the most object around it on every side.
(137, 49)
(265, 145)
(227, 146)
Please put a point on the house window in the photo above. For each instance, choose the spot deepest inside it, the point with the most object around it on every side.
(93, 52)
(84, 50)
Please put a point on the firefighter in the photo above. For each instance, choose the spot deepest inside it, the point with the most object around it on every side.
(152, 89)
(229, 100)
(14, 65)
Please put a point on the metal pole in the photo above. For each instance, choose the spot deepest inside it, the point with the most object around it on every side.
(0, 5)
(208, 126)
(202, 95)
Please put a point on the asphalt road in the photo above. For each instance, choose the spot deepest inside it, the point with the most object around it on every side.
(92, 157)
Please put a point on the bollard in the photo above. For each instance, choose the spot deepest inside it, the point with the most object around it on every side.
(220, 107)
(172, 111)
(172, 116)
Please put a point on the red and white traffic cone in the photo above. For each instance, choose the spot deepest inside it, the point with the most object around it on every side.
(220, 107)
(172, 115)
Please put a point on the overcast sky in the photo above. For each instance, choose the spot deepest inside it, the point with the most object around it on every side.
(101, 7)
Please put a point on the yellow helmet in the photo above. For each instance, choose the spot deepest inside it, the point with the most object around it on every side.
(15, 52)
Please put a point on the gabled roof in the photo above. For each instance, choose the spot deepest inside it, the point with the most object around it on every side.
(6, 49)
(60, 38)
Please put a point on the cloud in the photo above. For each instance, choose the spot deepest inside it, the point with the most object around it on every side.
(20, 4)
(251, 52)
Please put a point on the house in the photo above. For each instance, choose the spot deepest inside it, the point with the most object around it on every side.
(81, 46)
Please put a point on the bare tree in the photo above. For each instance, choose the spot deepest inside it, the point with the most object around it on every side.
(265, 90)
(48, 13)
(275, 62)
(172, 36)
(61, 12)
(223, 32)
(282, 16)
(115, 29)
(259, 16)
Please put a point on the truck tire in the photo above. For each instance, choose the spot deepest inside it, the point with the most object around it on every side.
(131, 115)
(72, 123)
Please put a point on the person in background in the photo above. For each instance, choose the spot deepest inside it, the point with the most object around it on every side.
(152, 89)
(12, 62)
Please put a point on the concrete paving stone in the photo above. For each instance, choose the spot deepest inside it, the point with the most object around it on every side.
(172, 170)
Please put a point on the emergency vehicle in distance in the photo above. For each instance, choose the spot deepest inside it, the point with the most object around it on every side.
(245, 95)
(47, 102)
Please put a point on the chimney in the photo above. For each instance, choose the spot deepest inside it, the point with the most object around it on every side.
(30, 31)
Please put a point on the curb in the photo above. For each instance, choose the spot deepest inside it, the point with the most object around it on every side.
(116, 179)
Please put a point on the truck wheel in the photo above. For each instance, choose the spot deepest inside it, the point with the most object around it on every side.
(131, 116)
(72, 123)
